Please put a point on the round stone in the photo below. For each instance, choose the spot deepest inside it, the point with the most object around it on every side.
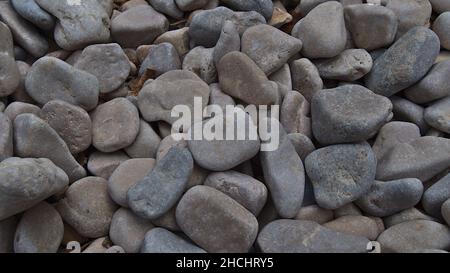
(103, 164)
(31, 11)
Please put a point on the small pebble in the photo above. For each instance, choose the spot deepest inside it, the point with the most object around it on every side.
(159, 240)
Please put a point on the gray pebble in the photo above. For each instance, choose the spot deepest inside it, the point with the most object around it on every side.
(302, 144)
(87, 207)
(16, 108)
(410, 14)
(72, 123)
(168, 7)
(161, 58)
(305, 78)
(422, 158)
(348, 113)
(31, 11)
(322, 38)
(415, 235)
(108, 63)
(341, 173)
(404, 63)
(200, 61)
(6, 137)
(438, 115)
(294, 114)
(314, 213)
(163, 186)
(264, 7)
(269, 47)
(405, 110)
(445, 210)
(390, 197)
(348, 209)
(355, 225)
(7, 230)
(229, 41)
(115, 125)
(405, 216)
(436, 195)
(33, 137)
(50, 78)
(189, 5)
(40, 230)
(26, 182)
(219, 98)
(283, 76)
(206, 215)
(146, 143)
(9, 74)
(179, 38)
(440, 6)
(128, 230)
(297, 236)
(160, 240)
(247, 191)
(78, 25)
(104, 164)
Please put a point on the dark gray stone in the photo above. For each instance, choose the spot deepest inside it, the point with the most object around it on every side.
(265, 7)
(161, 58)
(168, 7)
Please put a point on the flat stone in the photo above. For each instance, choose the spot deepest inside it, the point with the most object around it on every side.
(40, 230)
(160, 240)
(269, 47)
(436, 195)
(404, 63)
(108, 63)
(206, 215)
(438, 115)
(371, 26)
(10, 74)
(6, 137)
(410, 14)
(128, 230)
(222, 155)
(314, 213)
(132, 28)
(87, 207)
(26, 182)
(435, 85)
(33, 137)
(390, 197)
(168, 7)
(78, 25)
(200, 61)
(127, 175)
(24, 33)
(322, 38)
(229, 41)
(305, 78)
(422, 158)
(104, 164)
(31, 11)
(159, 191)
(355, 225)
(247, 191)
(415, 235)
(297, 236)
(206, 26)
(341, 173)
(115, 125)
(178, 87)
(241, 78)
(72, 123)
(50, 78)
(146, 143)
(349, 113)
(264, 7)
(405, 216)
(349, 65)
(7, 230)
(284, 176)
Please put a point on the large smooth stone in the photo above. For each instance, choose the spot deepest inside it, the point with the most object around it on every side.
(349, 113)
(241, 78)
(26, 182)
(33, 137)
(215, 221)
(390, 197)
(50, 78)
(159, 191)
(160, 240)
(415, 235)
(79, 24)
(436, 195)
(269, 47)
(322, 38)
(341, 173)
(115, 125)
(297, 236)
(422, 158)
(40, 230)
(87, 207)
(404, 63)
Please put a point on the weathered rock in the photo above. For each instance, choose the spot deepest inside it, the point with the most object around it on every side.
(179, 38)
(440, 6)
(302, 144)
(161, 58)
(445, 210)
(146, 143)
(159, 240)
(87, 207)
(404, 63)
(26, 182)
(305, 78)
(229, 41)
(206, 215)
(50, 78)
(33, 137)
(188, 5)
(348, 113)
(296, 236)
(40, 230)
(294, 114)
(200, 61)
(163, 186)
(341, 173)
(219, 98)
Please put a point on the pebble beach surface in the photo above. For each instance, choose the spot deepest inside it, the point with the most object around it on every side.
(93, 160)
